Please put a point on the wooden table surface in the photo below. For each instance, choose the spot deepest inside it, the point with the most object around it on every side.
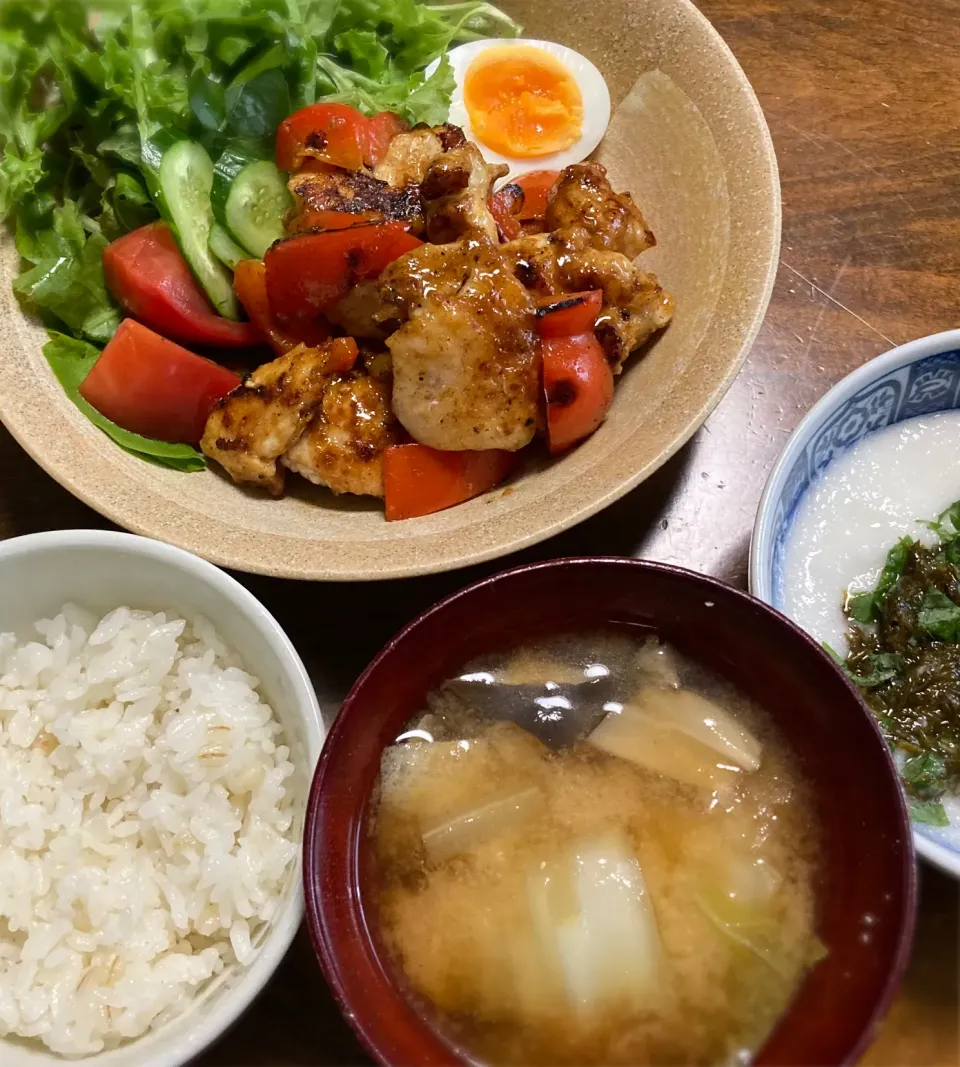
(862, 101)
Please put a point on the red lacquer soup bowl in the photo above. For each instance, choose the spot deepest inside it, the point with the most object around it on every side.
(865, 895)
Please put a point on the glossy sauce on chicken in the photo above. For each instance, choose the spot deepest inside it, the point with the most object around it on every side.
(594, 852)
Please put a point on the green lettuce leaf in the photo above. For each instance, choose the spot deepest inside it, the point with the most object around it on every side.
(66, 278)
(71, 361)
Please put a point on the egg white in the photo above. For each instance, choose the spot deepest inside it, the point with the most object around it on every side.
(593, 89)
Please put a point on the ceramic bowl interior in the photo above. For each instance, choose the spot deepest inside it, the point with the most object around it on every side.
(865, 892)
(689, 139)
(101, 571)
(919, 378)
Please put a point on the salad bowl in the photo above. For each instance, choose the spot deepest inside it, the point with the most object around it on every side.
(706, 180)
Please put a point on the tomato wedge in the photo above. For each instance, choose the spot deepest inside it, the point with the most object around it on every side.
(148, 275)
(250, 285)
(419, 480)
(309, 273)
(504, 205)
(578, 383)
(335, 134)
(151, 386)
(536, 185)
(568, 314)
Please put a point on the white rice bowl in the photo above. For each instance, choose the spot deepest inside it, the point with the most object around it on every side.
(146, 832)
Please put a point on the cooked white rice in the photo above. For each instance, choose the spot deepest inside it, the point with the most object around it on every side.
(145, 830)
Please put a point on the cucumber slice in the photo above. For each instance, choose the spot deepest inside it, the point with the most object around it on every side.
(225, 248)
(182, 178)
(250, 198)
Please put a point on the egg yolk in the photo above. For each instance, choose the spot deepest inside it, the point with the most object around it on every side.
(522, 102)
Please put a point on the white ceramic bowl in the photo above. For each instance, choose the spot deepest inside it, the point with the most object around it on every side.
(918, 378)
(102, 570)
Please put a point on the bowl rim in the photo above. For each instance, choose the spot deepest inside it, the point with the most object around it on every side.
(210, 1024)
(314, 894)
(764, 529)
(328, 564)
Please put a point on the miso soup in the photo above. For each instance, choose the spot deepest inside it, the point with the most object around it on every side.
(594, 852)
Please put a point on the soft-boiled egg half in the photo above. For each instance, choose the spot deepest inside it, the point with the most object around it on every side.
(533, 105)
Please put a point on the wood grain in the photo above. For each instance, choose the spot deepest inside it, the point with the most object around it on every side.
(862, 102)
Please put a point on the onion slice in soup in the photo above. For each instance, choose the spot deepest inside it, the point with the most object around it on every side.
(593, 916)
(470, 829)
(679, 734)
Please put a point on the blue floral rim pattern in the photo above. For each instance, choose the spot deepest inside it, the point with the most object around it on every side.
(922, 388)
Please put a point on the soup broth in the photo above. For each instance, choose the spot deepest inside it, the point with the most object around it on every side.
(593, 852)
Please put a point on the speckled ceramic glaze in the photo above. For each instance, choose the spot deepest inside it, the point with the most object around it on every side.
(688, 139)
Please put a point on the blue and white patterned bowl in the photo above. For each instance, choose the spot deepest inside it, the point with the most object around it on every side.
(918, 378)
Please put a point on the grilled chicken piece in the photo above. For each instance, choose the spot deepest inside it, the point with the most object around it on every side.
(583, 199)
(465, 365)
(253, 426)
(408, 157)
(430, 270)
(362, 313)
(535, 260)
(355, 193)
(621, 330)
(343, 447)
(635, 306)
(411, 153)
(455, 191)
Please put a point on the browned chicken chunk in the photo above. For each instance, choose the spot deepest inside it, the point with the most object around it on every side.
(343, 447)
(410, 154)
(455, 191)
(431, 270)
(355, 193)
(254, 425)
(408, 157)
(634, 304)
(583, 199)
(466, 364)
(362, 313)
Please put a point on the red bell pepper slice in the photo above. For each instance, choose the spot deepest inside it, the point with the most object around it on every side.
(309, 273)
(250, 285)
(578, 383)
(569, 314)
(419, 480)
(151, 386)
(330, 133)
(380, 131)
(504, 205)
(310, 220)
(148, 275)
(536, 184)
(335, 134)
(340, 354)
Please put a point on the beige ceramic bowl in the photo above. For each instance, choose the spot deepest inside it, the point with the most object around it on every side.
(688, 139)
